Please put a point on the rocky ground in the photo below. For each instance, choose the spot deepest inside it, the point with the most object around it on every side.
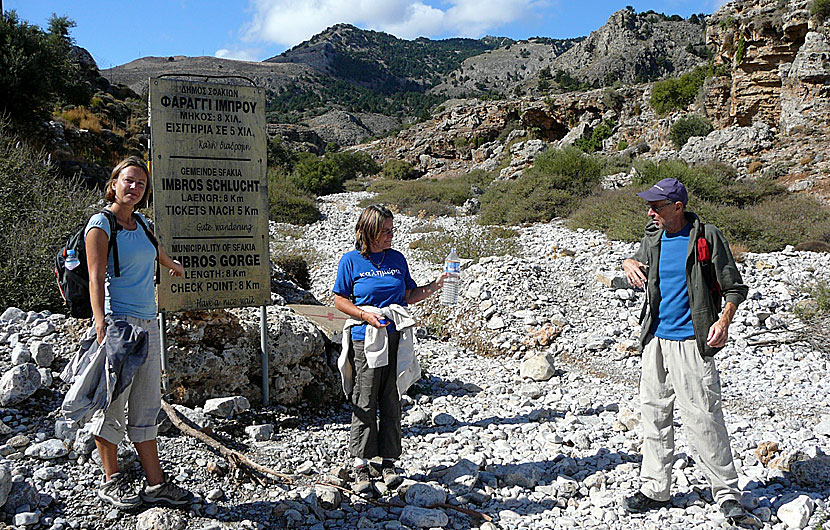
(528, 415)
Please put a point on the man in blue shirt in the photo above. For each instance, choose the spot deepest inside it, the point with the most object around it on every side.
(681, 332)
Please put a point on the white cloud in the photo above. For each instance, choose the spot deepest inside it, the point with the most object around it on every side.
(250, 54)
(289, 22)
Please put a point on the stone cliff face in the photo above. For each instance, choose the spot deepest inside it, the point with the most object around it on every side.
(756, 40)
(633, 48)
(779, 60)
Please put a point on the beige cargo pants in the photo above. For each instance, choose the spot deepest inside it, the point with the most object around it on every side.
(674, 369)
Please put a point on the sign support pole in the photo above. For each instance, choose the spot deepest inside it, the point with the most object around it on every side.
(263, 331)
(163, 341)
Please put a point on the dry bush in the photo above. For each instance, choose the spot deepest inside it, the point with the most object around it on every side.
(82, 118)
(754, 167)
(739, 251)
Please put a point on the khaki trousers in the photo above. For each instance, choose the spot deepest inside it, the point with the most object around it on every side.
(674, 369)
(136, 410)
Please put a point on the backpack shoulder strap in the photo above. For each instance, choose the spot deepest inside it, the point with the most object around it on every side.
(152, 237)
(113, 240)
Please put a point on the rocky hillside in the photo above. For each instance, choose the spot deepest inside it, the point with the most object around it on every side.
(636, 47)
(503, 70)
(769, 110)
(381, 61)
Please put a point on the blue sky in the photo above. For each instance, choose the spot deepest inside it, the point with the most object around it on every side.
(117, 32)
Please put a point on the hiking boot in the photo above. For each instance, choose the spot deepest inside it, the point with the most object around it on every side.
(737, 515)
(167, 493)
(390, 475)
(362, 481)
(641, 503)
(118, 492)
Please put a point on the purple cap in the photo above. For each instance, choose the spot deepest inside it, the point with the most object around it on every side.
(667, 189)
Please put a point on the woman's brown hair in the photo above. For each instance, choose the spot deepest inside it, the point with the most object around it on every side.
(127, 162)
(369, 226)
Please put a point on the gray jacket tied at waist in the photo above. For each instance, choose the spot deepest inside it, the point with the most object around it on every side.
(99, 374)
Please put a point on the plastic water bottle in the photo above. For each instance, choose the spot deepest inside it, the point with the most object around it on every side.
(452, 266)
(71, 260)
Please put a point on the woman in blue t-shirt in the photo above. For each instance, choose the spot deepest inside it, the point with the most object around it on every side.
(130, 297)
(375, 276)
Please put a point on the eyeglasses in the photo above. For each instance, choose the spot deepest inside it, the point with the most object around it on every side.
(658, 208)
(387, 232)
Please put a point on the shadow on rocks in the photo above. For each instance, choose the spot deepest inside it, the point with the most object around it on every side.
(541, 415)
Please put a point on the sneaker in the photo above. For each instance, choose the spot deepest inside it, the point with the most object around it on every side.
(118, 492)
(641, 503)
(390, 475)
(362, 481)
(737, 515)
(167, 493)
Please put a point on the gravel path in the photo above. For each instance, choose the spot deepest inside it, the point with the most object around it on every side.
(557, 453)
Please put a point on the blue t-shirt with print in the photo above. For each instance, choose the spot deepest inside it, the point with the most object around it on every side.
(380, 281)
(674, 319)
(133, 293)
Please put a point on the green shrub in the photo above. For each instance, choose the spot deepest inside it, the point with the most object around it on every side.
(688, 126)
(711, 182)
(326, 174)
(37, 70)
(469, 243)
(550, 188)
(762, 228)
(296, 267)
(407, 194)
(280, 155)
(289, 204)
(530, 199)
(570, 169)
(620, 213)
(820, 9)
(740, 50)
(594, 142)
(38, 210)
(622, 145)
(677, 92)
(399, 170)
(431, 209)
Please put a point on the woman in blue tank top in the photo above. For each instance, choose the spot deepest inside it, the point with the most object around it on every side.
(130, 296)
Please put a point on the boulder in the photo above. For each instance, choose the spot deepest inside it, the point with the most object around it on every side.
(728, 145)
(21, 354)
(18, 384)
(13, 314)
(423, 517)
(47, 450)
(425, 495)
(5, 483)
(539, 367)
(227, 407)
(524, 475)
(260, 433)
(796, 513)
(42, 353)
(160, 519)
(216, 354)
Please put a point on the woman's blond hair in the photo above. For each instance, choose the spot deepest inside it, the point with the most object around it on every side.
(133, 161)
(369, 226)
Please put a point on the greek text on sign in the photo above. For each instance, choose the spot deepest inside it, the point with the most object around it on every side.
(210, 192)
